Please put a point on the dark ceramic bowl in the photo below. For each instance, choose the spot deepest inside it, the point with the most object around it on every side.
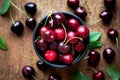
(39, 53)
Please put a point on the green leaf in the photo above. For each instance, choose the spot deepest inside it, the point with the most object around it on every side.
(77, 75)
(3, 44)
(113, 73)
(95, 44)
(94, 36)
(5, 7)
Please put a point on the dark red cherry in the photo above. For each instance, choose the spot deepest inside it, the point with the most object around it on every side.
(53, 45)
(41, 65)
(73, 3)
(112, 34)
(31, 23)
(50, 24)
(31, 8)
(80, 46)
(72, 24)
(67, 58)
(82, 31)
(59, 33)
(50, 55)
(54, 77)
(28, 72)
(81, 12)
(43, 29)
(109, 4)
(94, 57)
(99, 75)
(41, 44)
(49, 36)
(63, 48)
(71, 36)
(59, 19)
(106, 16)
(17, 28)
(108, 54)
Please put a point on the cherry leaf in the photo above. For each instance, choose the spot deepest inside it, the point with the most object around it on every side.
(113, 72)
(78, 75)
(94, 36)
(3, 44)
(5, 7)
(95, 44)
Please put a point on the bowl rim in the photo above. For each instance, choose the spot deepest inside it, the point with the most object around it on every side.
(53, 64)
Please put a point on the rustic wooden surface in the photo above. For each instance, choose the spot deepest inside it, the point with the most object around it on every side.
(12, 61)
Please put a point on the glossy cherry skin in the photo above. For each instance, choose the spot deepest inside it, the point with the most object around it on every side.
(50, 24)
(67, 58)
(59, 19)
(63, 48)
(60, 34)
(94, 57)
(108, 54)
(41, 44)
(81, 12)
(109, 4)
(54, 77)
(79, 46)
(31, 8)
(28, 72)
(82, 31)
(72, 24)
(50, 55)
(71, 36)
(41, 65)
(17, 28)
(31, 23)
(112, 34)
(106, 16)
(73, 3)
(49, 36)
(99, 76)
(43, 29)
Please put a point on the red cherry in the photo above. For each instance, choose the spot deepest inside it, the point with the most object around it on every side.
(72, 24)
(79, 46)
(59, 33)
(43, 29)
(67, 58)
(99, 76)
(82, 31)
(71, 35)
(50, 55)
(73, 3)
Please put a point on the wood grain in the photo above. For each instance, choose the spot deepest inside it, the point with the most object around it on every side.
(12, 61)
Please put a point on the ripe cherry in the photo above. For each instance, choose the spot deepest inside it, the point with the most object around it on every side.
(99, 75)
(106, 16)
(50, 55)
(43, 29)
(82, 31)
(54, 77)
(28, 72)
(41, 65)
(73, 3)
(79, 46)
(31, 23)
(81, 12)
(31, 8)
(17, 28)
(108, 54)
(109, 4)
(53, 45)
(72, 24)
(50, 24)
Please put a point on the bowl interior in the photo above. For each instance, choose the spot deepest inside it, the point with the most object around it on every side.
(38, 52)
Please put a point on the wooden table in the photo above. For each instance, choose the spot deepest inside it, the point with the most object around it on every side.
(12, 61)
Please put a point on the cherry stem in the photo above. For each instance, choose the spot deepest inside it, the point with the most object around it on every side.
(37, 39)
(73, 38)
(95, 22)
(85, 58)
(93, 69)
(86, 5)
(65, 33)
(11, 17)
(117, 43)
(19, 9)
(49, 14)
(28, 57)
(34, 77)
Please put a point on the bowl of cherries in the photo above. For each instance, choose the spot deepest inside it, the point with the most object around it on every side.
(61, 39)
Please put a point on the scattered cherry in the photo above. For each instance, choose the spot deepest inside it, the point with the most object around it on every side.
(109, 4)
(31, 8)
(17, 27)
(28, 72)
(73, 3)
(99, 75)
(108, 54)
(31, 23)
(41, 65)
(54, 77)
(81, 12)
(106, 16)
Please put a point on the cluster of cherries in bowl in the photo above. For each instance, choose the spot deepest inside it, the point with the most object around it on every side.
(61, 39)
